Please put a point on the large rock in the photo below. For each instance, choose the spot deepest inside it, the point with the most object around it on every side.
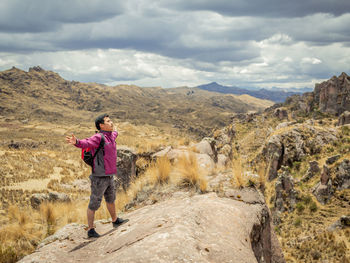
(344, 118)
(204, 160)
(341, 223)
(37, 199)
(201, 228)
(333, 96)
(323, 191)
(285, 194)
(126, 166)
(342, 175)
(207, 146)
(281, 113)
(286, 147)
(224, 139)
(312, 171)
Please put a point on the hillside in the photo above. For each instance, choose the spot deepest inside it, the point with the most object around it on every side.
(303, 149)
(44, 95)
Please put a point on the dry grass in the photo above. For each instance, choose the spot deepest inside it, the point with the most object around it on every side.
(238, 173)
(187, 173)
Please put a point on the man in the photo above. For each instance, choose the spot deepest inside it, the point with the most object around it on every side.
(103, 169)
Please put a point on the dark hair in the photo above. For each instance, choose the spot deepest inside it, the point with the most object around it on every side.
(100, 120)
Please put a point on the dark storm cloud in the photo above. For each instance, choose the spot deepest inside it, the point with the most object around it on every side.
(263, 8)
(43, 15)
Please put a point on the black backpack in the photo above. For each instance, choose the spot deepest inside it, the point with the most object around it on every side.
(86, 154)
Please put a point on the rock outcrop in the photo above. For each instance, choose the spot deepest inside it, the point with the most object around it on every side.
(286, 195)
(37, 199)
(323, 190)
(312, 171)
(293, 145)
(126, 166)
(342, 175)
(201, 228)
(344, 118)
(333, 96)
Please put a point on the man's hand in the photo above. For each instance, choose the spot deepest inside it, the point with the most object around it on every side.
(71, 139)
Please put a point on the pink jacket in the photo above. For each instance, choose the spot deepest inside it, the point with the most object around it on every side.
(104, 163)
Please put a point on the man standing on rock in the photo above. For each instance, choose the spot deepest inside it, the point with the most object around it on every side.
(103, 170)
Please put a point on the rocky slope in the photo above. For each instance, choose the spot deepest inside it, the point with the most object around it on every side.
(303, 147)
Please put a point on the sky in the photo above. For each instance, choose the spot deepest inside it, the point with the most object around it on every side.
(172, 43)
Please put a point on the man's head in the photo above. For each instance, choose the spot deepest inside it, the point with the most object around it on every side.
(103, 122)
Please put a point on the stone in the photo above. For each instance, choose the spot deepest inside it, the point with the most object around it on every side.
(342, 175)
(325, 175)
(341, 223)
(332, 96)
(323, 193)
(126, 167)
(344, 118)
(207, 146)
(59, 197)
(332, 159)
(200, 228)
(37, 199)
(281, 113)
(161, 153)
(222, 160)
(312, 171)
(285, 194)
(293, 145)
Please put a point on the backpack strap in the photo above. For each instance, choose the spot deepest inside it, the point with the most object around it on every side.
(101, 146)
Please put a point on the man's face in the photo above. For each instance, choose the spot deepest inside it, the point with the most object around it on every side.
(107, 125)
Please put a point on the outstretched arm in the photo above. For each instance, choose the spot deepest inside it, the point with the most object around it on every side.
(71, 139)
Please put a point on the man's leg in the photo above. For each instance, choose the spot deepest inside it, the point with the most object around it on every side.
(111, 210)
(90, 218)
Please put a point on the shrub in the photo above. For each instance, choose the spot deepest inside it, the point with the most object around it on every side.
(313, 206)
(297, 222)
(300, 207)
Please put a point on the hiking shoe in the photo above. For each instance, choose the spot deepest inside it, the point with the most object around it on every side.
(93, 233)
(119, 221)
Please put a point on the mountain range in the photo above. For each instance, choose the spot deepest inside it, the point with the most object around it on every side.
(274, 94)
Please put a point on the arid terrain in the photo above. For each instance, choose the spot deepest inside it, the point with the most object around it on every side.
(294, 153)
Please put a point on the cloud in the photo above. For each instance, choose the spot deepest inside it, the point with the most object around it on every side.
(169, 43)
(263, 8)
(42, 16)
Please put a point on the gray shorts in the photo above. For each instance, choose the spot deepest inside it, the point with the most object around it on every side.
(101, 186)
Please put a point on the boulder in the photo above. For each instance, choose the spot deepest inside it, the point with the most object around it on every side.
(203, 160)
(332, 159)
(342, 175)
(341, 223)
(222, 160)
(126, 167)
(325, 175)
(59, 197)
(207, 146)
(323, 193)
(285, 194)
(344, 118)
(281, 113)
(161, 153)
(37, 199)
(312, 171)
(200, 228)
